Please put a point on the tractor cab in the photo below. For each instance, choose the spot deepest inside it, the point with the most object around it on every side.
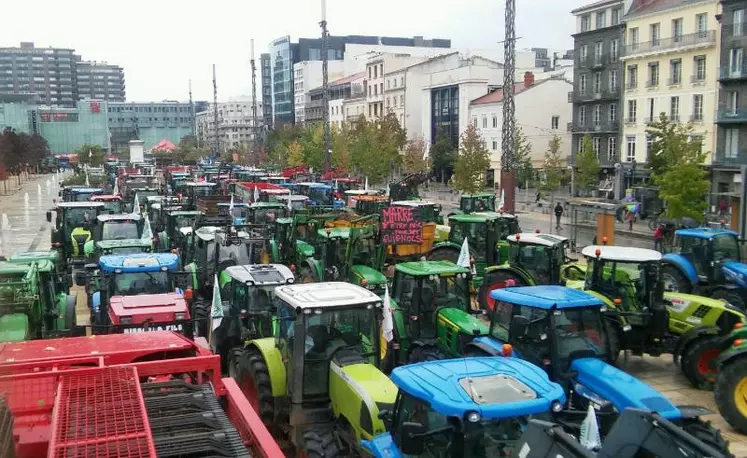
(476, 203)
(177, 182)
(428, 212)
(147, 195)
(198, 189)
(112, 204)
(319, 194)
(271, 195)
(239, 211)
(366, 202)
(476, 407)
(266, 212)
(432, 311)
(118, 234)
(66, 192)
(73, 229)
(82, 194)
(178, 225)
(297, 201)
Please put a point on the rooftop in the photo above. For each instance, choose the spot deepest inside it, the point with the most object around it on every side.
(537, 239)
(261, 274)
(621, 253)
(596, 5)
(328, 294)
(430, 268)
(546, 297)
(139, 262)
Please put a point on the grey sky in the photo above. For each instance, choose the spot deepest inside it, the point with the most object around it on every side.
(163, 43)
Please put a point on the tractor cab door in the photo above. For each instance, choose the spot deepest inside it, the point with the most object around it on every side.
(696, 250)
(526, 329)
(423, 322)
(721, 248)
(536, 259)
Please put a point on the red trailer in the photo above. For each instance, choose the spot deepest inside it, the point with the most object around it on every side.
(155, 394)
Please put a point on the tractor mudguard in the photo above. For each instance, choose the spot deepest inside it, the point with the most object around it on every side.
(493, 346)
(460, 321)
(689, 337)
(274, 251)
(732, 352)
(317, 267)
(358, 273)
(620, 388)
(14, 327)
(683, 265)
(274, 360)
(382, 446)
(303, 249)
(478, 346)
(192, 269)
(525, 276)
(735, 272)
(358, 392)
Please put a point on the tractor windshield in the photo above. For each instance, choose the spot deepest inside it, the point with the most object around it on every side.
(267, 215)
(125, 250)
(75, 217)
(630, 282)
(579, 333)
(725, 248)
(491, 438)
(253, 299)
(133, 283)
(113, 206)
(536, 259)
(507, 226)
(321, 196)
(201, 191)
(120, 230)
(82, 196)
(243, 254)
(184, 221)
(476, 234)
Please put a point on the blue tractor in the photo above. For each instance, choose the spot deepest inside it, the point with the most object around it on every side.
(708, 262)
(565, 332)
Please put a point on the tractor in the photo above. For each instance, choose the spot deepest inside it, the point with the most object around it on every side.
(297, 201)
(708, 262)
(117, 234)
(195, 190)
(730, 390)
(32, 303)
(247, 294)
(72, 230)
(486, 235)
(79, 193)
(112, 204)
(63, 282)
(266, 212)
(316, 381)
(431, 312)
(319, 194)
(170, 226)
(563, 331)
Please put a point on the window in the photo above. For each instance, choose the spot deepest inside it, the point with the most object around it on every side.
(737, 19)
(484, 121)
(655, 33)
(630, 152)
(677, 30)
(633, 38)
(736, 61)
(387, 102)
(653, 75)
(649, 146)
(474, 121)
(615, 19)
(376, 71)
(387, 84)
(675, 70)
(700, 68)
(369, 73)
(597, 115)
(554, 122)
(613, 81)
(731, 144)
(402, 81)
(601, 19)
(674, 108)
(698, 107)
(701, 22)
(394, 82)
(615, 49)
(632, 76)
(732, 101)
(595, 144)
(632, 108)
(394, 101)
(585, 23)
(381, 88)
(582, 85)
(611, 148)
(597, 83)
(376, 89)
(402, 100)
(584, 53)
(582, 115)
(598, 48)
(651, 112)
(613, 112)
(495, 145)
(495, 121)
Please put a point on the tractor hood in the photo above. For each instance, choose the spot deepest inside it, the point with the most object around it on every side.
(14, 327)
(153, 308)
(372, 276)
(619, 388)
(304, 249)
(462, 320)
(736, 272)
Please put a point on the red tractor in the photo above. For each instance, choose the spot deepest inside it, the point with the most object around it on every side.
(157, 395)
(150, 312)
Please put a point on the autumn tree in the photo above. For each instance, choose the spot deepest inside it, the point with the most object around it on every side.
(375, 146)
(413, 160)
(92, 155)
(295, 154)
(522, 158)
(472, 162)
(552, 166)
(443, 155)
(587, 165)
(340, 148)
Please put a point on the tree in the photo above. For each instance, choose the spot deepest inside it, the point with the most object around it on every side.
(188, 151)
(553, 166)
(413, 161)
(522, 158)
(669, 141)
(340, 148)
(473, 161)
(375, 146)
(443, 155)
(92, 155)
(295, 154)
(587, 165)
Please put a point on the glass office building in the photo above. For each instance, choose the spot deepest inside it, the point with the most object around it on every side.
(281, 71)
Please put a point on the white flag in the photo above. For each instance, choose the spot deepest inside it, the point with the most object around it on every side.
(90, 154)
(216, 312)
(589, 437)
(136, 205)
(290, 204)
(365, 186)
(256, 193)
(387, 324)
(502, 202)
(147, 230)
(230, 206)
(115, 192)
(88, 183)
(463, 260)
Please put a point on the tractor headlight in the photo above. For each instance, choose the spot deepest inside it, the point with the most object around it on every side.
(164, 268)
(117, 271)
(557, 407)
(472, 417)
(126, 320)
(290, 280)
(179, 316)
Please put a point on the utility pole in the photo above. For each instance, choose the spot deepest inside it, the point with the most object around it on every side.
(192, 113)
(255, 137)
(508, 143)
(325, 82)
(216, 141)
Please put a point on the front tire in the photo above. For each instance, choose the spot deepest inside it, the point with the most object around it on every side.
(707, 434)
(699, 362)
(730, 296)
(730, 393)
(320, 443)
(201, 316)
(254, 382)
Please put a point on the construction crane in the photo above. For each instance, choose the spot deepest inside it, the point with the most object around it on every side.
(508, 142)
(216, 141)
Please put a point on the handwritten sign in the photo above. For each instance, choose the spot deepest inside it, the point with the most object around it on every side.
(401, 226)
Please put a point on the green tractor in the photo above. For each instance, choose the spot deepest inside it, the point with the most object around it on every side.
(117, 234)
(475, 203)
(195, 190)
(317, 381)
(72, 230)
(431, 312)
(63, 282)
(486, 235)
(32, 303)
(172, 226)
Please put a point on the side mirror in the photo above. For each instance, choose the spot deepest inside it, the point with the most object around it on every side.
(519, 325)
(411, 440)
(49, 217)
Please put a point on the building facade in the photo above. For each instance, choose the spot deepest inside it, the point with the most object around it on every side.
(731, 116)
(596, 94)
(47, 72)
(266, 85)
(349, 87)
(100, 81)
(307, 75)
(670, 55)
(150, 122)
(235, 124)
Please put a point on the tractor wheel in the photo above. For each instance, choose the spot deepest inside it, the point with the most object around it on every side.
(443, 254)
(730, 296)
(426, 353)
(730, 393)
(201, 316)
(498, 279)
(71, 321)
(674, 280)
(613, 334)
(234, 362)
(320, 443)
(699, 362)
(254, 381)
(707, 434)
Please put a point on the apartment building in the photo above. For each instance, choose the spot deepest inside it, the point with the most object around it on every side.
(670, 56)
(307, 75)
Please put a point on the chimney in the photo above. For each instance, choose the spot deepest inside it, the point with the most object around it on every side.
(528, 79)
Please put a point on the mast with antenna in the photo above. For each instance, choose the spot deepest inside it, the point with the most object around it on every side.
(325, 82)
(192, 113)
(508, 177)
(216, 140)
(255, 130)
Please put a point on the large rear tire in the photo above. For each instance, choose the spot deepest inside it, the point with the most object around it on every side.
(497, 279)
(254, 382)
(201, 316)
(699, 362)
(707, 434)
(320, 443)
(730, 296)
(674, 280)
(730, 393)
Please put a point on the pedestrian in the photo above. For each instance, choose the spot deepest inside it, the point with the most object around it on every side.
(558, 214)
(630, 217)
(537, 200)
(723, 206)
(658, 237)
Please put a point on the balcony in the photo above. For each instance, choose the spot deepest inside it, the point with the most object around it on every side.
(665, 45)
(698, 79)
(730, 160)
(728, 74)
(593, 96)
(631, 85)
(731, 116)
(591, 126)
(674, 81)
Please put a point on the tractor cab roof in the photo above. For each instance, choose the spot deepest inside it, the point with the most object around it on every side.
(64, 205)
(494, 387)
(426, 268)
(86, 190)
(413, 203)
(200, 184)
(312, 184)
(146, 305)
(139, 262)
(275, 192)
(621, 253)
(325, 295)
(293, 197)
(478, 195)
(184, 212)
(106, 198)
(210, 233)
(704, 232)
(261, 274)
(235, 204)
(546, 297)
(361, 192)
(530, 238)
(118, 217)
(267, 205)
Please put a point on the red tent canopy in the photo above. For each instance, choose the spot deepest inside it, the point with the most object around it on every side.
(165, 145)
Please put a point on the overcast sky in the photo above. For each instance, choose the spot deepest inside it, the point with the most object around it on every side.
(163, 43)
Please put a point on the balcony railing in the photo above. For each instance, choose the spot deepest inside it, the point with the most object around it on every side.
(729, 73)
(593, 95)
(674, 81)
(698, 78)
(731, 158)
(631, 84)
(591, 126)
(729, 115)
(707, 37)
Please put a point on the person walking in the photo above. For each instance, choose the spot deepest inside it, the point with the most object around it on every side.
(658, 238)
(631, 218)
(558, 214)
(537, 200)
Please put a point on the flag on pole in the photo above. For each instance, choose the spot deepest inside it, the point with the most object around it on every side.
(88, 183)
(366, 184)
(502, 202)
(290, 204)
(147, 230)
(90, 154)
(216, 313)
(256, 194)
(463, 260)
(115, 191)
(136, 205)
(589, 436)
(230, 206)
(387, 324)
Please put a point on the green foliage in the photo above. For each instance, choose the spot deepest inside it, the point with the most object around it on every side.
(553, 166)
(669, 141)
(587, 166)
(522, 157)
(473, 161)
(93, 155)
(443, 155)
(295, 154)
(412, 161)
(375, 146)
(79, 179)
